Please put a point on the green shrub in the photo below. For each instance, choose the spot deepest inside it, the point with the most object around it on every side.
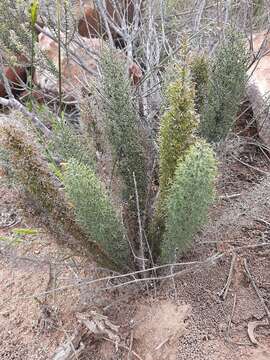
(189, 198)
(177, 128)
(226, 88)
(177, 134)
(199, 68)
(94, 211)
(41, 195)
(67, 144)
(122, 126)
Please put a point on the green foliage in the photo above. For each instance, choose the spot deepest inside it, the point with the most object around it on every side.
(41, 196)
(16, 39)
(94, 211)
(33, 10)
(177, 134)
(189, 198)
(226, 88)
(177, 128)
(122, 125)
(199, 69)
(4, 163)
(66, 143)
(19, 231)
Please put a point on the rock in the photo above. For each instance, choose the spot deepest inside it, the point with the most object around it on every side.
(16, 76)
(74, 78)
(258, 88)
(90, 23)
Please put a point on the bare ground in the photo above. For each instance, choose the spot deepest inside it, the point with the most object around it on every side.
(181, 319)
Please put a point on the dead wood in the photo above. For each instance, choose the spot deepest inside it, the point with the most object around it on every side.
(72, 348)
(253, 283)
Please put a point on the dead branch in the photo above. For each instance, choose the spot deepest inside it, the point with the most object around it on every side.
(250, 166)
(130, 345)
(223, 293)
(232, 196)
(252, 325)
(231, 317)
(72, 348)
(99, 325)
(262, 221)
(15, 104)
(12, 103)
(124, 347)
(142, 252)
(253, 283)
(193, 265)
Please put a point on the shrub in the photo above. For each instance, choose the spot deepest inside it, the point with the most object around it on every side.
(226, 88)
(177, 128)
(189, 198)
(66, 143)
(122, 126)
(41, 196)
(93, 210)
(199, 74)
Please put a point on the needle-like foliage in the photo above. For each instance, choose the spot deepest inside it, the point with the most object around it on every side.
(227, 81)
(122, 125)
(94, 211)
(189, 198)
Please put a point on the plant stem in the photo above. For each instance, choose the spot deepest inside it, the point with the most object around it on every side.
(59, 52)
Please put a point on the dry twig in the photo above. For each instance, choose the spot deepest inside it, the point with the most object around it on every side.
(223, 293)
(231, 317)
(192, 266)
(124, 347)
(253, 283)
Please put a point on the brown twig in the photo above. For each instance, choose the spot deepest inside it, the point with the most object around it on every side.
(263, 222)
(141, 253)
(194, 265)
(8, 226)
(15, 104)
(129, 357)
(123, 347)
(232, 196)
(250, 166)
(223, 293)
(230, 318)
(255, 287)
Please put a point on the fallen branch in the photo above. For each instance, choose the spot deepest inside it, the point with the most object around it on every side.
(263, 221)
(15, 104)
(223, 293)
(230, 318)
(124, 347)
(208, 261)
(141, 251)
(72, 348)
(252, 325)
(257, 290)
(8, 226)
(99, 325)
(130, 346)
(232, 196)
(250, 166)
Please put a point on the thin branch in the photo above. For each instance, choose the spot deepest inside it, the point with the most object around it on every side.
(141, 255)
(253, 283)
(210, 260)
(15, 104)
(224, 292)
(123, 347)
